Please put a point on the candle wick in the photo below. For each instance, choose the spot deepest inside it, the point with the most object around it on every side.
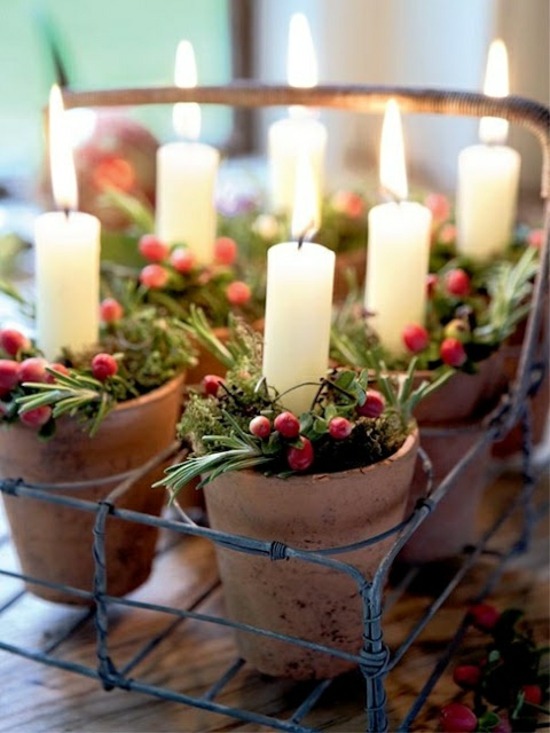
(390, 196)
(67, 212)
(301, 240)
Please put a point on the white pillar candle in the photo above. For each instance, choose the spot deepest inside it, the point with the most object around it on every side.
(300, 279)
(300, 133)
(186, 175)
(67, 249)
(488, 177)
(398, 247)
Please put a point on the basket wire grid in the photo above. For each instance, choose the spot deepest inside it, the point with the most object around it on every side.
(375, 659)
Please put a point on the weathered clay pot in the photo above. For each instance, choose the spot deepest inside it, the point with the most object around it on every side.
(458, 407)
(453, 524)
(299, 598)
(54, 542)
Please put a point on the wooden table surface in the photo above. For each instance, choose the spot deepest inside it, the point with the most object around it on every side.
(35, 698)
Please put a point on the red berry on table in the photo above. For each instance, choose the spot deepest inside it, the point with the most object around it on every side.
(532, 693)
(104, 366)
(339, 428)
(225, 250)
(153, 276)
(373, 406)
(452, 352)
(61, 368)
(36, 417)
(260, 427)
(33, 370)
(9, 374)
(431, 284)
(152, 248)
(238, 293)
(484, 616)
(457, 718)
(467, 676)
(300, 459)
(287, 424)
(211, 383)
(110, 310)
(457, 282)
(415, 338)
(13, 341)
(182, 260)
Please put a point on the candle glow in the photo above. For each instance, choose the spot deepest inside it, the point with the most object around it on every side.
(186, 173)
(300, 277)
(488, 176)
(300, 131)
(66, 254)
(398, 249)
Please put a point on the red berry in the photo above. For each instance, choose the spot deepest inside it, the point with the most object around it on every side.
(339, 428)
(110, 310)
(211, 383)
(452, 352)
(532, 693)
(457, 718)
(152, 248)
(415, 338)
(33, 370)
(260, 427)
(225, 250)
(13, 341)
(104, 366)
(238, 293)
(373, 406)
(300, 459)
(431, 284)
(439, 205)
(287, 424)
(484, 616)
(61, 368)
(153, 276)
(9, 374)
(36, 417)
(457, 282)
(467, 676)
(183, 260)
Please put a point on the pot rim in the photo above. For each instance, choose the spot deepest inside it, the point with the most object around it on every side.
(154, 394)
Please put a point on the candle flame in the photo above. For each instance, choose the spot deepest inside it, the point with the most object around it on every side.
(494, 130)
(62, 169)
(393, 173)
(306, 216)
(186, 116)
(301, 63)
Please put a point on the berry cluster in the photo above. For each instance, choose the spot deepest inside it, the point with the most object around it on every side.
(509, 678)
(286, 433)
(176, 270)
(23, 368)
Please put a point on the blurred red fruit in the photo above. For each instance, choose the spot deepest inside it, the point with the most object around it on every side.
(61, 368)
(183, 260)
(452, 352)
(532, 693)
(152, 248)
(238, 293)
(287, 424)
(484, 616)
(415, 338)
(467, 676)
(153, 276)
(225, 250)
(13, 341)
(37, 417)
(211, 383)
(110, 310)
(300, 459)
(431, 284)
(457, 282)
(260, 427)
(9, 374)
(339, 428)
(33, 370)
(104, 366)
(457, 718)
(374, 404)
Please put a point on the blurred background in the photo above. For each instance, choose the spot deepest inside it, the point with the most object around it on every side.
(115, 43)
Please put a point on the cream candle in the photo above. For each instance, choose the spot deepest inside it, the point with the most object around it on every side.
(398, 247)
(186, 174)
(300, 278)
(301, 132)
(67, 252)
(488, 176)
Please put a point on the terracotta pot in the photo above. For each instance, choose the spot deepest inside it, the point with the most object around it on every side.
(299, 598)
(458, 406)
(453, 523)
(54, 542)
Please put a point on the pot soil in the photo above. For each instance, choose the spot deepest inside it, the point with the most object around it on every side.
(54, 542)
(294, 597)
